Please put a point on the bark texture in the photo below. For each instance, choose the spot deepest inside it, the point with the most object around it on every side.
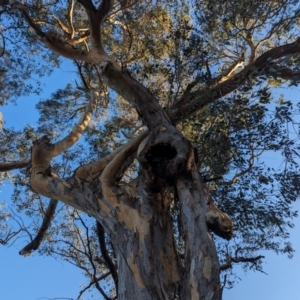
(137, 216)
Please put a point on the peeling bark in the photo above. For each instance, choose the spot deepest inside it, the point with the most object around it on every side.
(140, 226)
(200, 251)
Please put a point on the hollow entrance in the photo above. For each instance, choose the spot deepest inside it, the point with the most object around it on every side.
(162, 151)
(159, 156)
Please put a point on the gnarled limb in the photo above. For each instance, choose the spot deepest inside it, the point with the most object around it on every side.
(15, 165)
(90, 171)
(47, 183)
(35, 243)
(217, 221)
(112, 173)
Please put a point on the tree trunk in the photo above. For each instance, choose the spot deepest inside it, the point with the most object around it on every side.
(137, 216)
(148, 264)
(201, 261)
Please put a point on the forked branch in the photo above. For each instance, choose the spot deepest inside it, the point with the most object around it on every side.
(52, 41)
(96, 18)
(43, 180)
(263, 65)
(62, 145)
(92, 170)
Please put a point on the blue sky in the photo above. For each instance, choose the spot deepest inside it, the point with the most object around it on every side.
(282, 281)
(38, 277)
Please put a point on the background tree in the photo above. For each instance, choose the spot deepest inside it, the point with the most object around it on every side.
(188, 88)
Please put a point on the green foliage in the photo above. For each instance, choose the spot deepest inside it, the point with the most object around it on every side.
(165, 47)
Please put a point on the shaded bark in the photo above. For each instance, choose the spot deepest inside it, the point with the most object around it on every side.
(108, 261)
(4, 167)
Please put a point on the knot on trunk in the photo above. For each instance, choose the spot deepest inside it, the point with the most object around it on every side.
(41, 152)
(219, 223)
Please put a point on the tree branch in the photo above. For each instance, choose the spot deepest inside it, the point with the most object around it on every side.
(61, 25)
(120, 162)
(217, 221)
(53, 42)
(96, 18)
(70, 18)
(237, 175)
(230, 260)
(137, 95)
(249, 40)
(282, 72)
(186, 95)
(79, 128)
(91, 283)
(231, 70)
(108, 261)
(259, 67)
(35, 243)
(92, 170)
(43, 151)
(15, 165)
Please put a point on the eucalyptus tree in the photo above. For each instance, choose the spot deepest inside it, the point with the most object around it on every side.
(175, 103)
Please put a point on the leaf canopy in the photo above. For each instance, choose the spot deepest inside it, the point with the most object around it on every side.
(219, 63)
